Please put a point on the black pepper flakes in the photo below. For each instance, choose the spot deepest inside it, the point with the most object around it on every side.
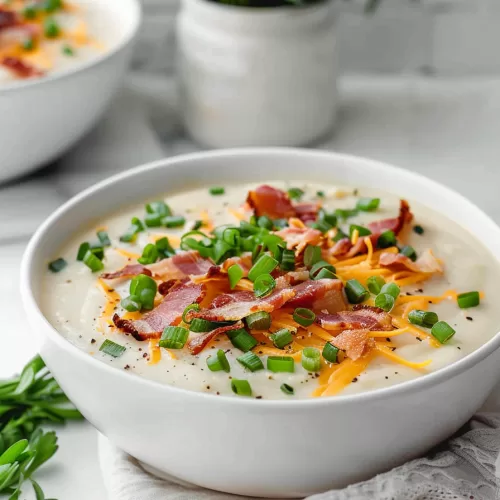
(469, 318)
(92, 341)
(126, 367)
(354, 380)
(418, 229)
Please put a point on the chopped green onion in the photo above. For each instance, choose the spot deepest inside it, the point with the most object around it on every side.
(356, 292)
(288, 260)
(52, 5)
(82, 250)
(263, 285)
(131, 303)
(218, 362)
(174, 337)
(51, 28)
(264, 265)
(322, 226)
(468, 299)
(280, 364)
(423, 318)
(248, 229)
(164, 248)
(30, 12)
(330, 353)
(153, 220)
(221, 251)
(191, 307)
(260, 320)
(325, 274)
(199, 325)
(216, 190)
(303, 316)
(57, 265)
(232, 237)
(368, 204)
(112, 348)
(91, 261)
(386, 239)
(442, 331)
(104, 238)
(97, 250)
(312, 254)
(234, 273)
(321, 264)
(328, 217)
(384, 301)
(295, 193)
(409, 252)
(145, 288)
(149, 255)
(265, 222)
(281, 338)
(362, 231)
(173, 221)
(68, 51)
(391, 289)
(280, 223)
(257, 252)
(197, 224)
(158, 207)
(418, 229)
(250, 361)
(311, 359)
(340, 235)
(242, 340)
(346, 213)
(287, 389)
(275, 244)
(375, 284)
(241, 387)
(29, 44)
(135, 227)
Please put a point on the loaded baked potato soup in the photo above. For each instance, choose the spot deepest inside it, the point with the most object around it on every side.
(275, 291)
(42, 37)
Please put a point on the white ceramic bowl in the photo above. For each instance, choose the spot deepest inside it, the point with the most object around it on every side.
(245, 446)
(41, 118)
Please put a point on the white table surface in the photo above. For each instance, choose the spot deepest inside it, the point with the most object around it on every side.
(448, 130)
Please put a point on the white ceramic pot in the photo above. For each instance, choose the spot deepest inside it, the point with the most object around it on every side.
(247, 446)
(41, 118)
(257, 76)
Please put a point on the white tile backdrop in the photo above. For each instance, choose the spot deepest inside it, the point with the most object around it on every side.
(444, 37)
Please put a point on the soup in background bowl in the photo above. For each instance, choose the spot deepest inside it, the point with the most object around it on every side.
(410, 358)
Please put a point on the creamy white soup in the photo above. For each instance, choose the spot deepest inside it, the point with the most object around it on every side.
(281, 291)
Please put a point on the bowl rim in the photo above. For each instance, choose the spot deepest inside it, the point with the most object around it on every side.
(20, 85)
(435, 378)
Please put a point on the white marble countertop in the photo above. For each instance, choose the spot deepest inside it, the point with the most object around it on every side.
(445, 129)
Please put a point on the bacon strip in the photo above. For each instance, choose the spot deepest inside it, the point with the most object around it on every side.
(353, 342)
(324, 294)
(237, 305)
(8, 19)
(21, 68)
(197, 344)
(127, 272)
(168, 313)
(299, 237)
(426, 263)
(360, 318)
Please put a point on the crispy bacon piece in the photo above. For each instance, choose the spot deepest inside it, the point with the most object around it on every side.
(292, 278)
(21, 68)
(181, 265)
(341, 247)
(353, 342)
(8, 18)
(127, 272)
(299, 237)
(360, 318)
(306, 211)
(197, 344)
(237, 305)
(168, 313)
(426, 263)
(324, 294)
(244, 261)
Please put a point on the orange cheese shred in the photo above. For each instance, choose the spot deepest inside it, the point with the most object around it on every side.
(389, 354)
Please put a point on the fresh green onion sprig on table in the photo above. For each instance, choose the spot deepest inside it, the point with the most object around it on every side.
(26, 402)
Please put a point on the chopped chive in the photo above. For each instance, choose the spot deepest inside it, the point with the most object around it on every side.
(468, 299)
(384, 301)
(287, 389)
(145, 288)
(149, 255)
(368, 204)
(386, 239)
(295, 193)
(171, 221)
(241, 387)
(174, 337)
(248, 229)
(232, 237)
(322, 226)
(260, 320)
(362, 231)
(51, 28)
(423, 318)
(330, 353)
(82, 250)
(409, 252)
(328, 217)
(92, 262)
(216, 190)
(104, 238)
(375, 284)
(164, 248)
(242, 340)
(288, 260)
(221, 251)
(57, 265)
(263, 285)
(346, 213)
(52, 5)
(265, 222)
(199, 325)
(281, 338)
(131, 303)
(135, 227)
(311, 360)
(29, 44)
(418, 229)
(158, 207)
(356, 292)
(325, 274)
(391, 289)
(68, 51)
(280, 364)
(234, 273)
(218, 362)
(321, 264)
(191, 307)
(30, 12)
(197, 225)
(442, 331)
(97, 250)
(312, 254)
(340, 235)
(112, 348)
(304, 316)
(264, 265)
(250, 361)
(153, 220)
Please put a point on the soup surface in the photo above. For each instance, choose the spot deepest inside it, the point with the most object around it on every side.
(300, 290)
